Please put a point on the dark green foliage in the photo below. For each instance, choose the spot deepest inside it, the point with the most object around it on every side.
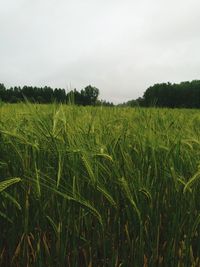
(2, 92)
(104, 103)
(130, 103)
(87, 96)
(183, 95)
(90, 95)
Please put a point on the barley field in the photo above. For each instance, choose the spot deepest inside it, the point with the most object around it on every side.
(92, 186)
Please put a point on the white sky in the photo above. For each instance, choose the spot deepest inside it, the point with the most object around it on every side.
(120, 46)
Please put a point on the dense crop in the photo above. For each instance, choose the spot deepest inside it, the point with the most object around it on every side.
(99, 186)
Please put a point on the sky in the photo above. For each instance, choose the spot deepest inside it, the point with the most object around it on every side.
(119, 46)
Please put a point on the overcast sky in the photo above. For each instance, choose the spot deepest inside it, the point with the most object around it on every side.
(120, 46)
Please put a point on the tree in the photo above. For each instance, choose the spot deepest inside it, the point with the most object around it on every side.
(183, 95)
(59, 95)
(89, 95)
(2, 92)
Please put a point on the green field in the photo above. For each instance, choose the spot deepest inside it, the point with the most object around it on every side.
(91, 187)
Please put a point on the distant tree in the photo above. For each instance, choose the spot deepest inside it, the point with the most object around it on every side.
(104, 103)
(2, 92)
(132, 103)
(59, 95)
(89, 95)
(74, 97)
(182, 95)
(185, 95)
(139, 102)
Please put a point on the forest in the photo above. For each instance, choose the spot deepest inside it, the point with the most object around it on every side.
(182, 95)
(45, 95)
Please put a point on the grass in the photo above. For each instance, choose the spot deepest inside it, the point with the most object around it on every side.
(99, 186)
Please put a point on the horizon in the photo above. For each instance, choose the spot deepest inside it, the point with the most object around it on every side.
(139, 99)
(121, 48)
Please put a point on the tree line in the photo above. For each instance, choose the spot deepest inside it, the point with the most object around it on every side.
(182, 95)
(87, 96)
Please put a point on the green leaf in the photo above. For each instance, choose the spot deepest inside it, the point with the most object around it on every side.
(6, 183)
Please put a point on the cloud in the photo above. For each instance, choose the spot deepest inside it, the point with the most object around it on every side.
(121, 47)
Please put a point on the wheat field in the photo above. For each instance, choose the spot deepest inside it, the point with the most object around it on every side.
(97, 186)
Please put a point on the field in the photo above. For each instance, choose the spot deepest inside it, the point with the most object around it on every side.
(91, 187)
